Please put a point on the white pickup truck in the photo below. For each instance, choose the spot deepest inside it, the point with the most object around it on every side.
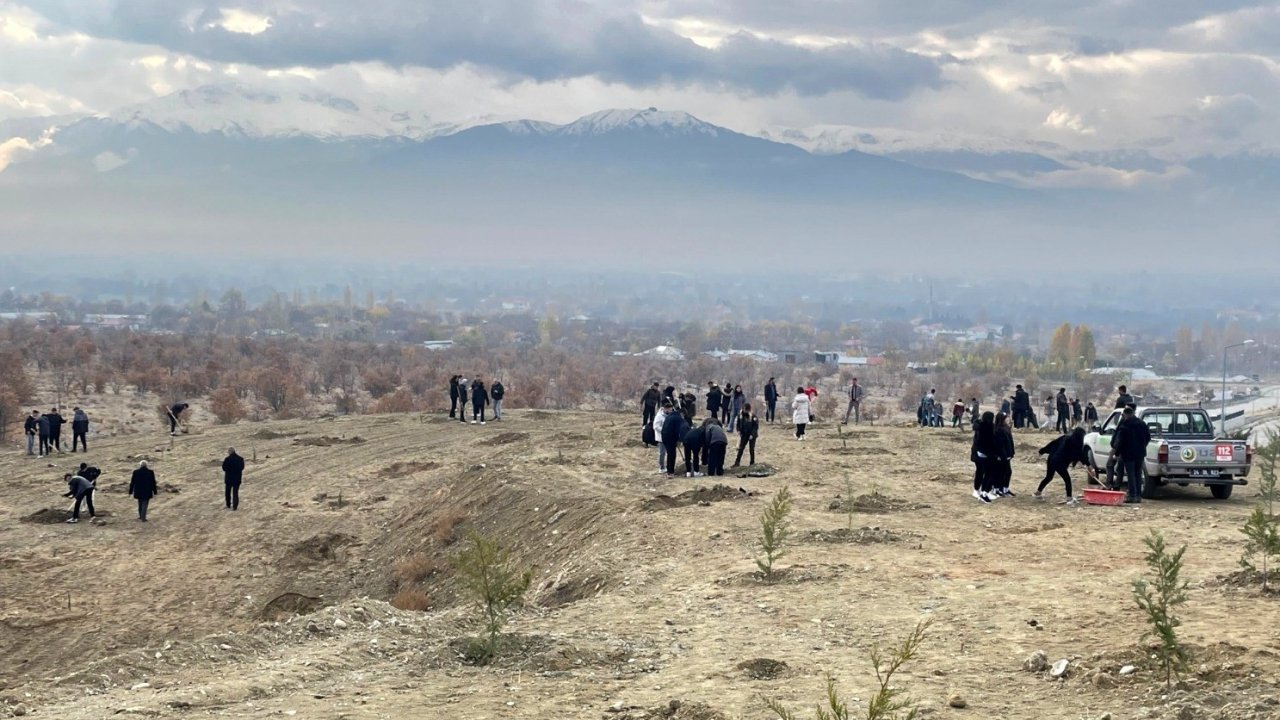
(1183, 450)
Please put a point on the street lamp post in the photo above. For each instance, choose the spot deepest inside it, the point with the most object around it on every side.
(1222, 419)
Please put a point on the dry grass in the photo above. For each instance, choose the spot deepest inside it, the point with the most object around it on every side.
(414, 600)
(445, 529)
(412, 569)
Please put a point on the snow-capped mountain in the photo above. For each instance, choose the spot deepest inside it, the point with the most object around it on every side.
(665, 122)
(239, 110)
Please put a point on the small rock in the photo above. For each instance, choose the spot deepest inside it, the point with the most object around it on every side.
(1104, 716)
(340, 624)
(1128, 670)
(956, 700)
(19, 710)
(1059, 668)
(140, 686)
(1036, 662)
(1103, 681)
(224, 646)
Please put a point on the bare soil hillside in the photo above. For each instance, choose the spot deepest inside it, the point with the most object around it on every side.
(644, 603)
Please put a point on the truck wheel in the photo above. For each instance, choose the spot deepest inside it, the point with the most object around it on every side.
(1221, 492)
(1149, 485)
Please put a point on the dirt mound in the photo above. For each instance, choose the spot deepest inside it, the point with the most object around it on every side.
(572, 590)
(864, 451)
(326, 441)
(268, 435)
(859, 536)
(1249, 579)
(505, 438)
(873, 503)
(1027, 529)
(674, 710)
(290, 603)
(404, 469)
(700, 496)
(320, 548)
(761, 470)
(763, 668)
(47, 516)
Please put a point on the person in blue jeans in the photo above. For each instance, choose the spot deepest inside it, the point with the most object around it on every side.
(32, 428)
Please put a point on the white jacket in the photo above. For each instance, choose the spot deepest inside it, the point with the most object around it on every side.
(800, 409)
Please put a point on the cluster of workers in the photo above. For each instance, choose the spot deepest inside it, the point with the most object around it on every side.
(462, 391)
(992, 452)
(1070, 413)
(83, 483)
(44, 432)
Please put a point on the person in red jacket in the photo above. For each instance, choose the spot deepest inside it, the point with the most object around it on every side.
(812, 392)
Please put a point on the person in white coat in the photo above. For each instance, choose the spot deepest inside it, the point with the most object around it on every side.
(800, 411)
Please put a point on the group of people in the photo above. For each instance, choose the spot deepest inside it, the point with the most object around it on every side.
(44, 432)
(83, 483)
(992, 450)
(462, 391)
(705, 444)
(1068, 411)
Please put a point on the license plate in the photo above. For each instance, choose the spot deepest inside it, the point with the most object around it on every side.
(1224, 453)
(1205, 473)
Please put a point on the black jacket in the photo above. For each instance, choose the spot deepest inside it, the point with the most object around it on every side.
(651, 397)
(984, 442)
(1066, 450)
(714, 396)
(453, 388)
(1021, 400)
(497, 391)
(479, 397)
(1004, 440)
(694, 439)
(80, 422)
(673, 429)
(1064, 405)
(1132, 438)
(178, 409)
(688, 406)
(771, 392)
(233, 468)
(56, 422)
(1091, 414)
(1124, 401)
(31, 426)
(42, 425)
(142, 485)
(749, 426)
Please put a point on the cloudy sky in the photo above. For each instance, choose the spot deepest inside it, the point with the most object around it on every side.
(1177, 77)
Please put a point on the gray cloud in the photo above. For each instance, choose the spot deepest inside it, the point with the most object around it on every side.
(542, 40)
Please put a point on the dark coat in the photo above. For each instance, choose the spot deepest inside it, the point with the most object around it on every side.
(56, 421)
(984, 442)
(31, 426)
(1066, 450)
(142, 485)
(1124, 401)
(80, 422)
(771, 392)
(651, 397)
(233, 469)
(688, 406)
(1021, 400)
(479, 396)
(42, 425)
(695, 439)
(1131, 439)
(673, 429)
(1064, 405)
(714, 396)
(178, 409)
(1004, 440)
(78, 487)
(749, 426)
(453, 388)
(497, 391)
(1091, 414)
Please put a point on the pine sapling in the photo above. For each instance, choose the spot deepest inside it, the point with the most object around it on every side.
(774, 532)
(1159, 599)
(1262, 548)
(490, 576)
(888, 702)
(848, 501)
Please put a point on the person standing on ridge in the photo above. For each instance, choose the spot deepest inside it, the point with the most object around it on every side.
(649, 404)
(1063, 406)
(496, 393)
(736, 403)
(79, 430)
(463, 392)
(142, 487)
(56, 421)
(674, 428)
(771, 401)
(479, 401)
(232, 475)
(31, 427)
(714, 396)
(453, 396)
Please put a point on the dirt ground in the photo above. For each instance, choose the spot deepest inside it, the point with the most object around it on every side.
(643, 604)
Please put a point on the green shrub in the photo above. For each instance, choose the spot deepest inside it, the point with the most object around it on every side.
(1159, 599)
